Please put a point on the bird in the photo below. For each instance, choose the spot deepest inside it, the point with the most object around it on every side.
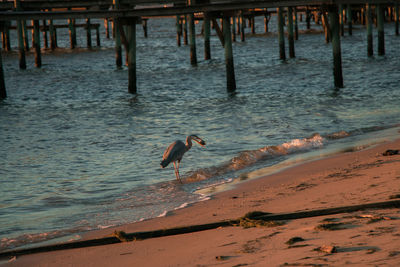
(175, 151)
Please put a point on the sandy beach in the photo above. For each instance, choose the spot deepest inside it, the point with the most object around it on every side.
(362, 238)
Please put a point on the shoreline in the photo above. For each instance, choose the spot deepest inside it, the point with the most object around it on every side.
(342, 179)
(281, 177)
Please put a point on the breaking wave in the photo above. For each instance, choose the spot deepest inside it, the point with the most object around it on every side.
(250, 157)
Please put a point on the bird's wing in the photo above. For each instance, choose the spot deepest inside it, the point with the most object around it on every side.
(174, 152)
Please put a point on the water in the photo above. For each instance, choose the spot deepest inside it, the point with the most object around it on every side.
(80, 153)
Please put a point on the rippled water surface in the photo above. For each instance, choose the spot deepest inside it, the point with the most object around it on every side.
(78, 152)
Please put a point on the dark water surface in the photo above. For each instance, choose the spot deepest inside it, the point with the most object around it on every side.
(79, 153)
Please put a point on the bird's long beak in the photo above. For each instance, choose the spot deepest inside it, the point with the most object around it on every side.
(200, 141)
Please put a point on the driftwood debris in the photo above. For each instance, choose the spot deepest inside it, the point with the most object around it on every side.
(391, 152)
(201, 227)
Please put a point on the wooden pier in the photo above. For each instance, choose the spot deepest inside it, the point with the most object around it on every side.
(332, 14)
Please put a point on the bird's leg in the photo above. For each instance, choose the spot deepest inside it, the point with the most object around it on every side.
(177, 169)
(177, 172)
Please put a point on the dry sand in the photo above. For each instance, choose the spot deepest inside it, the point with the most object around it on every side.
(363, 238)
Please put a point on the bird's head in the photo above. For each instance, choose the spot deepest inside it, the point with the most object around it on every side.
(198, 140)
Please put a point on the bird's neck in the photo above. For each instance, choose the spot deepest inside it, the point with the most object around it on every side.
(188, 143)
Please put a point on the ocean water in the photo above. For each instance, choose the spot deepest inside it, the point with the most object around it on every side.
(78, 152)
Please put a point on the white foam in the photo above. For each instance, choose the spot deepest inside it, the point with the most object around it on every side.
(165, 212)
(182, 206)
(105, 226)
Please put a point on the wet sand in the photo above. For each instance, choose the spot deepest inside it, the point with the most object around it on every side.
(369, 237)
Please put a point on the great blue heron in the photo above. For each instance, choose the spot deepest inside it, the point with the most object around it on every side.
(175, 151)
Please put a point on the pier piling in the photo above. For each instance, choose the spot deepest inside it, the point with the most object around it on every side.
(370, 49)
(45, 40)
(290, 33)
(349, 14)
(281, 34)
(308, 18)
(72, 33)
(53, 35)
(185, 35)
(267, 17)
(233, 26)
(178, 26)
(341, 19)
(296, 26)
(397, 10)
(144, 26)
(36, 43)
(21, 48)
(106, 26)
(6, 36)
(381, 34)
(230, 69)
(88, 34)
(118, 49)
(131, 36)
(337, 54)
(242, 27)
(25, 33)
(325, 24)
(192, 40)
(3, 93)
(207, 48)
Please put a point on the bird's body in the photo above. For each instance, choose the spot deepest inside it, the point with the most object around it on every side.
(176, 150)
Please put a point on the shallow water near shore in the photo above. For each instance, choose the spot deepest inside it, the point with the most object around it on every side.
(80, 153)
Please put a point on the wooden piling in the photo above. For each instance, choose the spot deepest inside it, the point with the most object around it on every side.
(97, 36)
(207, 48)
(349, 19)
(36, 43)
(88, 34)
(25, 33)
(72, 33)
(230, 69)
(238, 25)
(131, 36)
(341, 19)
(192, 40)
(397, 9)
(267, 17)
(381, 34)
(178, 26)
(281, 34)
(21, 50)
(233, 25)
(337, 54)
(242, 26)
(308, 18)
(296, 26)
(144, 26)
(118, 49)
(107, 27)
(53, 37)
(45, 40)
(3, 39)
(325, 24)
(185, 35)
(6, 36)
(3, 92)
(290, 33)
(253, 26)
(370, 50)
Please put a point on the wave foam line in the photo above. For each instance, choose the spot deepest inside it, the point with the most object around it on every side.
(249, 157)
